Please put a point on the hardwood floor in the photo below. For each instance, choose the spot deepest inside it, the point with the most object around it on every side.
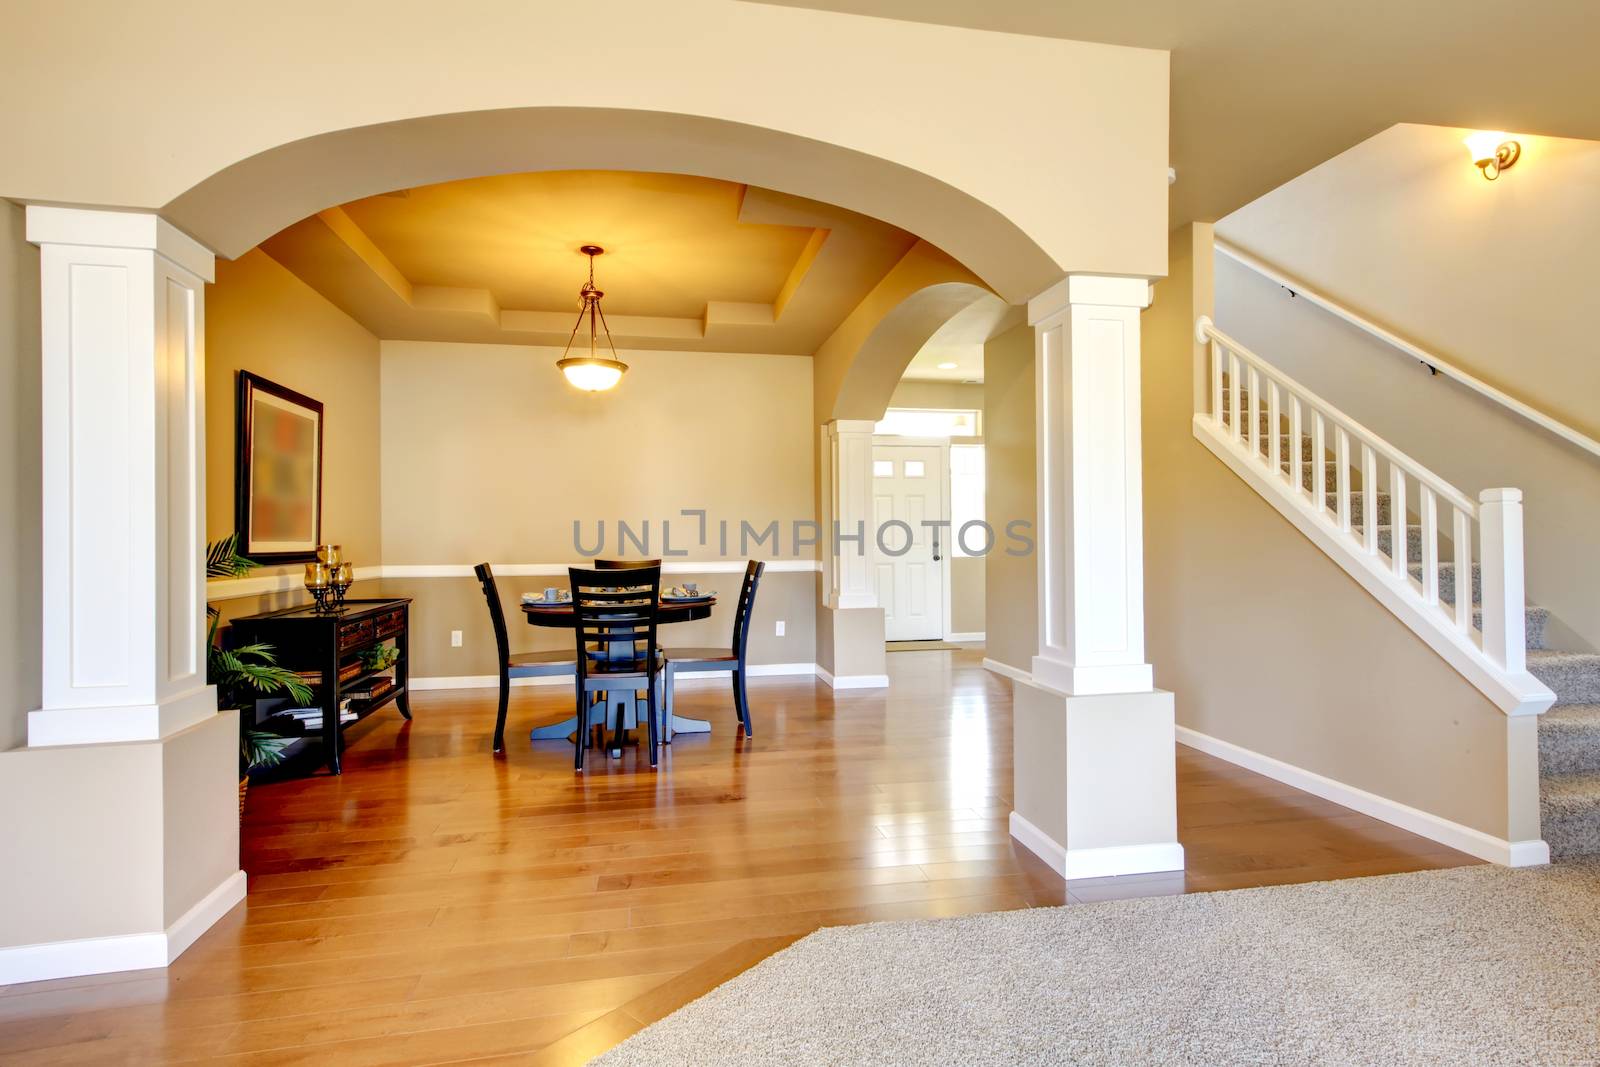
(437, 904)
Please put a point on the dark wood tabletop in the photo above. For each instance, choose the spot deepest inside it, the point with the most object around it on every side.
(559, 616)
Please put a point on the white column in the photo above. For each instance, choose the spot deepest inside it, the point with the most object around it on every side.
(1505, 633)
(1091, 516)
(849, 485)
(1095, 787)
(123, 415)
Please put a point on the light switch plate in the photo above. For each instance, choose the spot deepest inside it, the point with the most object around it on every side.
(455, 638)
(780, 627)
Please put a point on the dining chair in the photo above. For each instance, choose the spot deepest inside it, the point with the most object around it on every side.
(616, 609)
(718, 659)
(519, 665)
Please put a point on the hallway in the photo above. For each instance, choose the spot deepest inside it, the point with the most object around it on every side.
(486, 907)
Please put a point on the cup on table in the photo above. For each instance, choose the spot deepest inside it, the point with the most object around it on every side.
(551, 594)
(692, 588)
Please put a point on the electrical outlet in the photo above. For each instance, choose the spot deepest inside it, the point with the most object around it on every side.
(780, 627)
(455, 638)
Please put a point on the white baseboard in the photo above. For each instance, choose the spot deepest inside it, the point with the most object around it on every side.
(1007, 670)
(492, 681)
(1039, 843)
(1425, 824)
(1123, 859)
(128, 952)
(852, 681)
(977, 635)
(1096, 862)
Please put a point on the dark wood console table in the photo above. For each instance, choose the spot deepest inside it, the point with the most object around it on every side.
(328, 643)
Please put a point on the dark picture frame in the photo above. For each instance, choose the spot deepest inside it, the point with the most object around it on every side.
(277, 472)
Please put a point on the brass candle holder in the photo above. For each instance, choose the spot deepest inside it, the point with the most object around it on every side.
(329, 578)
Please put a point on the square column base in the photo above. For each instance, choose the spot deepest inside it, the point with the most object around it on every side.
(850, 650)
(1096, 790)
(122, 854)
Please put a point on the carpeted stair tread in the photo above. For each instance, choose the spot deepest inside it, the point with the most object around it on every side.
(1569, 814)
(1574, 677)
(1569, 740)
(1447, 581)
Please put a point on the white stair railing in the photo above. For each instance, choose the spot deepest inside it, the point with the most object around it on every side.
(1327, 473)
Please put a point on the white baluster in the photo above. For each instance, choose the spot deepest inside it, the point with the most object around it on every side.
(1463, 546)
(1341, 441)
(1233, 392)
(1319, 463)
(1400, 548)
(1369, 501)
(1274, 428)
(1500, 559)
(1255, 412)
(1216, 381)
(1296, 444)
(1428, 505)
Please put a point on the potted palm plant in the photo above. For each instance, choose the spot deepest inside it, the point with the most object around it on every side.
(244, 673)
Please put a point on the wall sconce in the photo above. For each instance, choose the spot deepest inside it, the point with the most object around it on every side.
(1492, 152)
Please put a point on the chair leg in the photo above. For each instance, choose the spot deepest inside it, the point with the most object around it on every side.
(500, 716)
(667, 691)
(580, 740)
(622, 711)
(650, 714)
(741, 698)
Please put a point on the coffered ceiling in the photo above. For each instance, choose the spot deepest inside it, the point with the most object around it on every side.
(690, 263)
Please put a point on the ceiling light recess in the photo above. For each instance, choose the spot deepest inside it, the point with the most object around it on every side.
(592, 373)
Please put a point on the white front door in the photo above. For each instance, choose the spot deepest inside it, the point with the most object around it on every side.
(908, 486)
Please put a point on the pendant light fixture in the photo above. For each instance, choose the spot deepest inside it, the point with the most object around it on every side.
(592, 373)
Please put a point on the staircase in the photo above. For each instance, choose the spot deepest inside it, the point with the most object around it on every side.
(1321, 457)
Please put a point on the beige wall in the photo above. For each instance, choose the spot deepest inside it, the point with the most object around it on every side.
(1462, 278)
(929, 394)
(489, 455)
(664, 62)
(20, 653)
(1493, 276)
(1010, 606)
(261, 318)
(1269, 645)
(967, 594)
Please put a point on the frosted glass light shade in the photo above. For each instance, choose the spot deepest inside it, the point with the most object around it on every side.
(1484, 144)
(590, 374)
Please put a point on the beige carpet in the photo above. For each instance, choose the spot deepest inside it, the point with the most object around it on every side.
(1476, 965)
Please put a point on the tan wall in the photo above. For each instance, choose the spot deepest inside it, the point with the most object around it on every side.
(967, 599)
(1446, 279)
(490, 455)
(1492, 276)
(928, 394)
(751, 64)
(261, 318)
(1269, 645)
(20, 652)
(1010, 605)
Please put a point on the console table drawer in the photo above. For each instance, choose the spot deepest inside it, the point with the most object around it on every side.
(390, 623)
(355, 634)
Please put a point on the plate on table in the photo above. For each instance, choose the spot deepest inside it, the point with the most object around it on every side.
(679, 595)
(537, 600)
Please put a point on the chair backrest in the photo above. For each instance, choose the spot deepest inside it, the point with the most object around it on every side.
(624, 564)
(614, 606)
(497, 612)
(747, 604)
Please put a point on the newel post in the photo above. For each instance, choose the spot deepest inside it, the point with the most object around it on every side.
(1504, 598)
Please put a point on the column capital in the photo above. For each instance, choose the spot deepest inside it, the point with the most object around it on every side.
(92, 228)
(842, 426)
(1098, 290)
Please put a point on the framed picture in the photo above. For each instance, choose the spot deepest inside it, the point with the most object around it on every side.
(279, 473)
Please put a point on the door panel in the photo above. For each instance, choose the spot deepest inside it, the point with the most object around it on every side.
(908, 485)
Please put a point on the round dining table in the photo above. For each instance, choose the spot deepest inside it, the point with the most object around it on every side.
(560, 617)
